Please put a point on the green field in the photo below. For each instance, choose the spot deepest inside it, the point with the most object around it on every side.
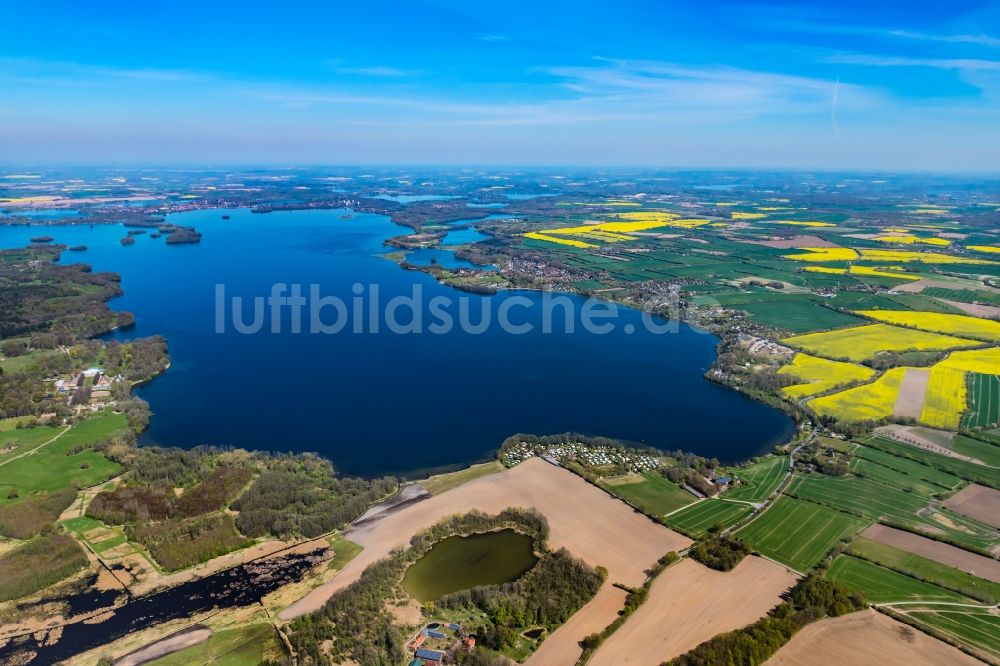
(926, 570)
(51, 466)
(653, 494)
(15, 364)
(343, 552)
(963, 295)
(881, 585)
(974, 448)
(759, 480)
(910, 468)
(245, 646)
(797, 314)
(799, 533)
(439, 483)
(893, 506)
(966, 470)
(978, 629)
(695, 520)
(984, 401)
(891, 477)
(15, 442)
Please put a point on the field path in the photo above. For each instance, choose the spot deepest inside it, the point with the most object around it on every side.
(591, 524)
(43, 444)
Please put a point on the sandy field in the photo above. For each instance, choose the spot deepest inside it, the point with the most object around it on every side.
(585, 520)
(690, 603)
(974, 309)
(918, 286)
(161, 648)
(563, 646)
(794, 242)
(910, 400)
(977, 502)
(977, 565)
(866, 638)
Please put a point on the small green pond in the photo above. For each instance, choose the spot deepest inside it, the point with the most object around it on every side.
(458, 563)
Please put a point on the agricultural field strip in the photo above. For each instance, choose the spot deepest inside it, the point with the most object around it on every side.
(763, 479)
(880, 502)
(885, 586)
(977, 629)
(909, 467)
(802, 515)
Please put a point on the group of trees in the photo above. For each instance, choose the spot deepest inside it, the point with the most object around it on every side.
(720, 552)
(141, 502)
(177, 544)
(302, 495)
(813, 598)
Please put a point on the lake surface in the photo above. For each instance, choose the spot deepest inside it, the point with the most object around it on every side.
(384, 402)
(460, 563)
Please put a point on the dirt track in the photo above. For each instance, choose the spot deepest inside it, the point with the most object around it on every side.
(866, 638)
(690, 603)
(585, 520)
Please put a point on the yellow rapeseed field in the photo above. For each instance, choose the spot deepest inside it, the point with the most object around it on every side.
(820, 375)
(826, 269)
(552, 239)
(738, 215)
(824, 254)
(862, 342)
(945, 399)
(805, 224)
(983, 361)
(875, 272)
(925, 257)
(990, 249)
(954, 324)
(871, 401)
(910, 240)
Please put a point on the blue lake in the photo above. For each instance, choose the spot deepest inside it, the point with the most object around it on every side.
(381, 402)
(462, 236)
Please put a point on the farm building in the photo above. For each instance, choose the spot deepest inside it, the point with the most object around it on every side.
(429, 656)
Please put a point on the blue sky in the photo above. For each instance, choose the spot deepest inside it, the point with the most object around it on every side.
(846, 84)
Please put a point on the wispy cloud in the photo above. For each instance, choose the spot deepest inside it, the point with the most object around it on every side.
(877, 60)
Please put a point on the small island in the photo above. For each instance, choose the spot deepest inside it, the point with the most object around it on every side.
(42, 239)
(128, 240)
